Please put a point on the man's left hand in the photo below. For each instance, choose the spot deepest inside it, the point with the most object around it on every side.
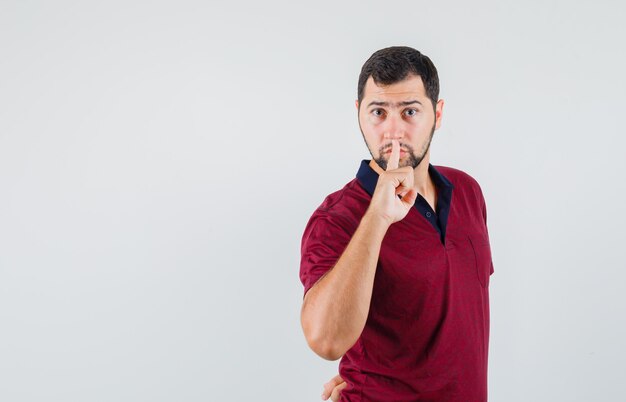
(333, 388)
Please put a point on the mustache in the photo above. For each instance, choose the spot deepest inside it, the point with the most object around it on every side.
(403, 147)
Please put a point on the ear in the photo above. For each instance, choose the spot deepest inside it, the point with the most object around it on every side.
(356, 103)
(438, 113)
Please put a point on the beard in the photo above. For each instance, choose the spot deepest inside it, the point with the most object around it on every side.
(412, 158)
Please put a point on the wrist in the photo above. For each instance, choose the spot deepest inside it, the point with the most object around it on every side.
(376, 220)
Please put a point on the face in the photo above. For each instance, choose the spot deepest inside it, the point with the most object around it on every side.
(399, 111)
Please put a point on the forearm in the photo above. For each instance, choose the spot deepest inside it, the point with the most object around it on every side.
(335, 309)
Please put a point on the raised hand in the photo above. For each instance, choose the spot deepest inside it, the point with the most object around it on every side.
(394, 194)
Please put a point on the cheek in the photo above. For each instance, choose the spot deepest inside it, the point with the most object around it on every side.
(421, 126)
(370, 131)
(374, 141)
(368, 121)
(372, 119)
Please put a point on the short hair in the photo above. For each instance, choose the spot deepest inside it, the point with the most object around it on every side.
(393, 64)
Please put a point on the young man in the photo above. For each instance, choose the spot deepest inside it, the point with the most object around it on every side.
(396, 264)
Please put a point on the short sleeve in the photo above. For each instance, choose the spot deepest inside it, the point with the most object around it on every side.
(486, 228)
(325, 238)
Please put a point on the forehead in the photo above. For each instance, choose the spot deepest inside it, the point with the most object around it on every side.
(410, 87)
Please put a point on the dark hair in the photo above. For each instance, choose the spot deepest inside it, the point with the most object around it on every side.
(393, 64)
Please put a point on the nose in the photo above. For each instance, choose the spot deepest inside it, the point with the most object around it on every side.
(394, 128)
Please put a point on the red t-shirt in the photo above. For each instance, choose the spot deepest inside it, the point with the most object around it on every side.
(427, 333)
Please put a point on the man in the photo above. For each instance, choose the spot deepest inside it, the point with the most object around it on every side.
(396, 264)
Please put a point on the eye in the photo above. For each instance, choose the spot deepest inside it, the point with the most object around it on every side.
(411, 112)
(377, 112)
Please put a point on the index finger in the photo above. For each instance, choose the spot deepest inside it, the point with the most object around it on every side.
(394, 158)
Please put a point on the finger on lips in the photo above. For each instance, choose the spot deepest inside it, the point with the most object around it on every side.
(394, 158)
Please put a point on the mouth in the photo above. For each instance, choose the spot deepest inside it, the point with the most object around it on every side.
(402, 152)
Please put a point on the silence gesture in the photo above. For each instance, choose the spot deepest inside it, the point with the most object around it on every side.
(394, 194)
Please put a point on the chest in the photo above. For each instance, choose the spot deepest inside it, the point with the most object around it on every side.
(416, 271)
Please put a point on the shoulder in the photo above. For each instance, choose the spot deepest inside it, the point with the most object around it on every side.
(462, 181)
(456, 176)
(342, 208)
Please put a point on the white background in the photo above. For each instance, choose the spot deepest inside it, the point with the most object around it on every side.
(159, 161)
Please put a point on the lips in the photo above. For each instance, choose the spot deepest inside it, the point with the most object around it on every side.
(402, 151)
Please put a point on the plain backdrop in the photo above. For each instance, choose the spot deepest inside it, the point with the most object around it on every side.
(159, 161)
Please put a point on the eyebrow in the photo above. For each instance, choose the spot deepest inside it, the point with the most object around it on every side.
(398, 104)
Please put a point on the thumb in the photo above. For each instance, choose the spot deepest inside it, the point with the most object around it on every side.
(410, 197)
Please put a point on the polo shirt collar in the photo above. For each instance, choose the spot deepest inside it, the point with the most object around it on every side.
(368, 177)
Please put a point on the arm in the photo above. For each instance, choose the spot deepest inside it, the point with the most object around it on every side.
(335, 309)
